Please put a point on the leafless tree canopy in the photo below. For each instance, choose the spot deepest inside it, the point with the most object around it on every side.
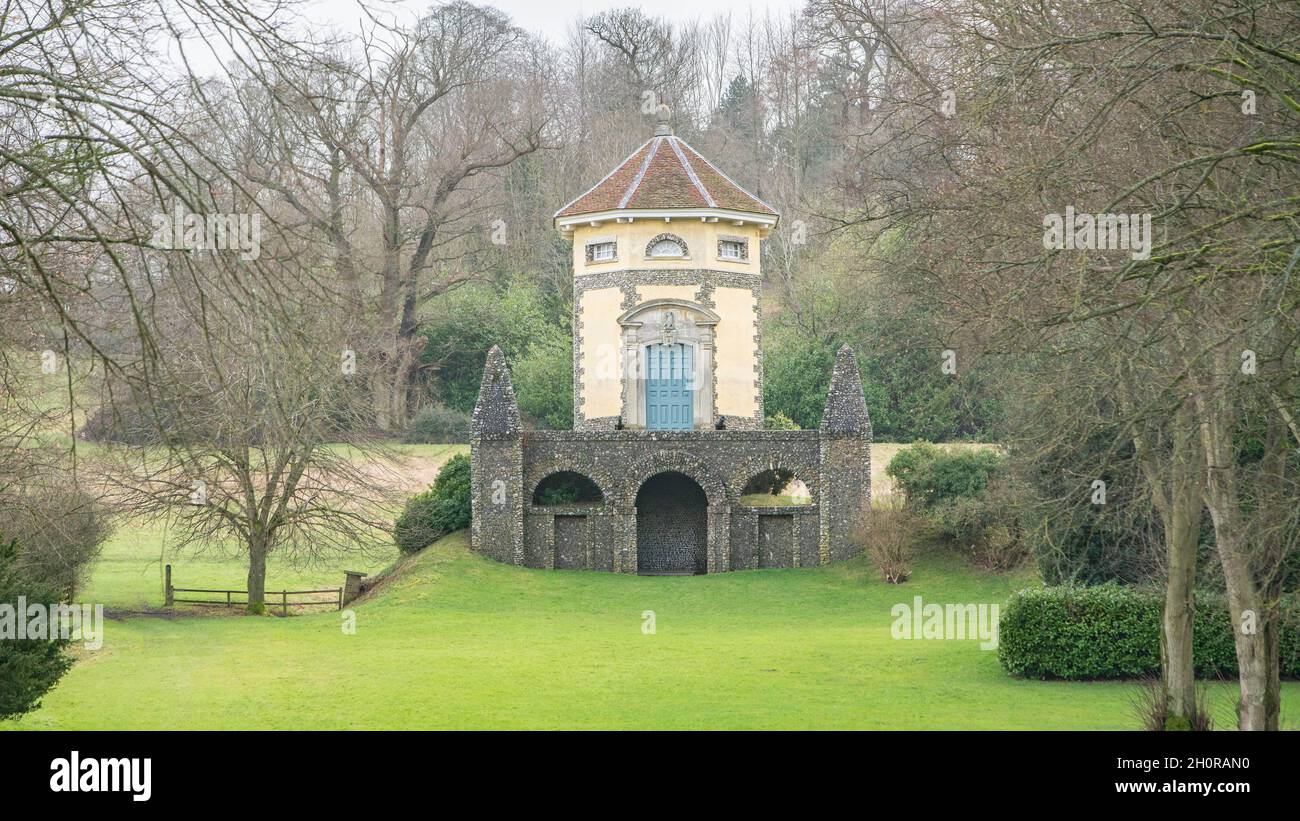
(919, 151)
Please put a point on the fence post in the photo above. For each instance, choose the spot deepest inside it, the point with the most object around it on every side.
(227, 598)
(168, 596)
(284, 601)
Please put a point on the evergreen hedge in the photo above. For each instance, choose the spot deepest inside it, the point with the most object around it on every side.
(1113, 632)
(442, 509)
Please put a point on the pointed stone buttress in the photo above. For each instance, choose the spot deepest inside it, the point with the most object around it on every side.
(497, 463)
(845, 463)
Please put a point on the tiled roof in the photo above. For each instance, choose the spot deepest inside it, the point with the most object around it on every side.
(665, 172)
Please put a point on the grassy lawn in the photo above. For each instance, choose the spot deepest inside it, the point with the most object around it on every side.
(458, 641)
(129, 571)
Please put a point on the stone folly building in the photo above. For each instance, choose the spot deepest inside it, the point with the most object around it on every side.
(668, 451)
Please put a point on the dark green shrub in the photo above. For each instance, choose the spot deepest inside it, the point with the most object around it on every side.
(566, 488)
(1074, 541)
(909, 465)
(30, 667)
(543, 379)
(779, 421)
(438, 425)
(796, 375)
(908, 398)
(442, 509)
(929, 477)
(961, 494)
(1113, 632)
(461, 325)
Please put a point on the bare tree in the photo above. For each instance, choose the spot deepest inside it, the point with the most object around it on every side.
(995, 122)
(256, 422)
(395, 144)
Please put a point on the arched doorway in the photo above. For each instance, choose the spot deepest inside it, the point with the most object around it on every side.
(672, 526)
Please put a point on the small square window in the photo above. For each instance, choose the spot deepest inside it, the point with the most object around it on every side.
(737, 249)
(602, 251)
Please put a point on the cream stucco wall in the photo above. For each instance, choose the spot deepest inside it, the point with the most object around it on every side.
(600, 353)
(736, 354)
(649, 292)
(600, 357)
(632, 237)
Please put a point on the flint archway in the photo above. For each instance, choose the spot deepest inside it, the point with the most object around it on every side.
(672, 526)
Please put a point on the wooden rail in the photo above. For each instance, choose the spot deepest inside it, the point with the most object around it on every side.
(170, 592)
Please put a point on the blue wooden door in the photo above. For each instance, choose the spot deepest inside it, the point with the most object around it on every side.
(668, 394)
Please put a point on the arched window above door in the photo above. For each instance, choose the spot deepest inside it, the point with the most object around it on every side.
(666, 246)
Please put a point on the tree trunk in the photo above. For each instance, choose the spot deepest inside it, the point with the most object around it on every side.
(1178, 669)
(1254, 632)
(1182, 534)
(1254, 621)
(379, 400)
(257, 575)
(1176, 493)
(388, 390)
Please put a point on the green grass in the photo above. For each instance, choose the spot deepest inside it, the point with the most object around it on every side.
(129, 571)
(459, 641)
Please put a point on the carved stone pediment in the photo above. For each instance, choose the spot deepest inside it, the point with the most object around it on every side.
(656, 313)
(667, 322)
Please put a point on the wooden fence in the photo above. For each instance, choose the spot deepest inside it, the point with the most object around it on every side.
(335, 600)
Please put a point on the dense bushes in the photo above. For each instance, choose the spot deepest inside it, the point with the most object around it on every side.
(438, 425)
(543, 379)
(1111, 631)
(986, 527)
(1074, 541)
(963, 495)
(796, 376)
(442, 509)
(125, 422)
(908, 396)
(462, 325)
(60, 530)
(930, 477)
(28, 667)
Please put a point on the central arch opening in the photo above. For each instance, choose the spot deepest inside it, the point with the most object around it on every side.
(672, 526)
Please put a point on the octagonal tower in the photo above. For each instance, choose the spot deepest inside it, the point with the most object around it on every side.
(667, 266)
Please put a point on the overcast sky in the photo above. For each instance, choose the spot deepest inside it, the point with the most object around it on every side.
(551, 17)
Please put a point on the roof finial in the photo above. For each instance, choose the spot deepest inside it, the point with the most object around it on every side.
(664, 114)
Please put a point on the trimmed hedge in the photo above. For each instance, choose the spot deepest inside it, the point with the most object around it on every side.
(1113, 632)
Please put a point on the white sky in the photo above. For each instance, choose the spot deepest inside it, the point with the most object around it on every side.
(551, 17)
